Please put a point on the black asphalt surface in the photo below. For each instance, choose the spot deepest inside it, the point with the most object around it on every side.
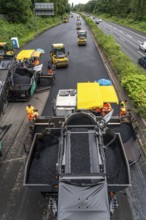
(85, 64)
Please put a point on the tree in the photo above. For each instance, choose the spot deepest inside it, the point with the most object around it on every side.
(16, 10)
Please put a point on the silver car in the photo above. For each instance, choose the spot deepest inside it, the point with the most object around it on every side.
(142, 46)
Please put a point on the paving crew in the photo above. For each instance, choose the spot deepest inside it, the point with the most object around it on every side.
(123, 108)
(35, 114)
(106, 109)
(97, 111)
(30, 111)
(36, 62)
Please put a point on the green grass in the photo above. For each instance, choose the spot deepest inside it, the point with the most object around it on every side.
(25, 32)
(132, 78)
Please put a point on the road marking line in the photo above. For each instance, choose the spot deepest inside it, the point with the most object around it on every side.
(122, 39)
(131, 31)
(120, 31)
(129, 36)
(141, 53)
(139, 41)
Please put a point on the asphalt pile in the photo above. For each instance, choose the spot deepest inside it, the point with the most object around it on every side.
(126, 131)
(44, 159)
(116, 167)
(19, 79)
(22, 76)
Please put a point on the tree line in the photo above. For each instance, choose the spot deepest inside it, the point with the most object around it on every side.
(21, 10)
(119, 8)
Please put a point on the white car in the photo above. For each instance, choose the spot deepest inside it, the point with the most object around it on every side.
(142, 46)
(100, 20)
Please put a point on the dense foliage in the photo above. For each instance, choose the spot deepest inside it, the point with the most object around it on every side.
(20, 11)
(25, 32)
(131, 76)
(120, 8)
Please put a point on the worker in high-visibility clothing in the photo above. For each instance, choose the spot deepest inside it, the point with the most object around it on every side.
(35, 114)
(36, 62)
(30, 110)
(97, 111)
(106, 109)
(123, 108)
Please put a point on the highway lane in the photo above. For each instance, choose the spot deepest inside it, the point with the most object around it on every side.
(128, 39)
(85, 65)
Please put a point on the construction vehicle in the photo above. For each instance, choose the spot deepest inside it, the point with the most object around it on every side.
(5, 64)
(82, 37)
(79, 164)
(70, 100)
(58, 55)
(78, 25)
(65, 102)
(22, 83)
(24, 76)
(5, 51)
(66, 19)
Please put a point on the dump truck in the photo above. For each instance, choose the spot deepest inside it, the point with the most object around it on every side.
(77, 162)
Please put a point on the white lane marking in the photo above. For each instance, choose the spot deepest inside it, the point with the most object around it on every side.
(120, 31)
(129, 36)
(139, 42)
(114, 28)
(141, 53)
(122, 39)
(131, 31)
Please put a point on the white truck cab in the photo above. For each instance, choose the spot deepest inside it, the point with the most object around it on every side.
(65, 102)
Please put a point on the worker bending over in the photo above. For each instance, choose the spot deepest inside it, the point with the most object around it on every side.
(35, 115)
(106, 109)
(30, 110)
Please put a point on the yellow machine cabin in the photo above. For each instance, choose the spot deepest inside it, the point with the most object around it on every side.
(5, 51)
(65, 20)
(58, 55)
(82, 37)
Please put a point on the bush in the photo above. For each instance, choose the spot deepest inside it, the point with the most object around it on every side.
(132, 78)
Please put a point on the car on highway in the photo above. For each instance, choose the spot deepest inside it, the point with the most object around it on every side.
(100, 19)
(142, 61)
(97, 21)
(142, 46)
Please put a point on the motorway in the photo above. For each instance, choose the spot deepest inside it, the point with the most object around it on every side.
(19, 203)
(128, 38)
